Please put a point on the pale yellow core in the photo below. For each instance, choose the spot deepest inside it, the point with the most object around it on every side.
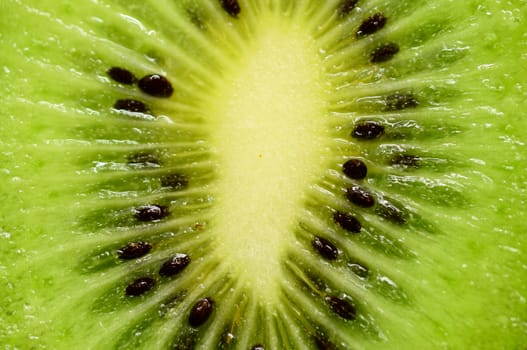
(270, 137)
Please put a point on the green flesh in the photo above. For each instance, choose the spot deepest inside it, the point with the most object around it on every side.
(260, 124)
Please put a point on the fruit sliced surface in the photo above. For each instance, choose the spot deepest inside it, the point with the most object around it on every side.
(222, 174)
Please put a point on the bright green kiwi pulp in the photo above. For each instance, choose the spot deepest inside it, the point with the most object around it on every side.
(260, 122)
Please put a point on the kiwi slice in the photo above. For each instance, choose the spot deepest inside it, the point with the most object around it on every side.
(276, 174)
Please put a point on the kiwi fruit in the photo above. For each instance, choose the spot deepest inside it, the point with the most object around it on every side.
(263, 174)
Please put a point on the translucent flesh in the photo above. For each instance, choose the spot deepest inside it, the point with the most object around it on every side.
(260, 121)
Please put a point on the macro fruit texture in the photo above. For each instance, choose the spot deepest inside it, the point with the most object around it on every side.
(274, 174)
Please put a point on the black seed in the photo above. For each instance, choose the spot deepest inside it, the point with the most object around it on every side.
(360, 270)
(367, 130)
(122, 75)
(156, 85)
(406, 160)
(347, 222)
(397, 102)
(391, 213)
(346, 6)
(174, 265)
(324, 344)
(151, 212)
(232, 7)
(176, 181)
(359, 196)
(325, 248)
(258, 347)
(140, 286)
(355, 169)
(371, 25)
(200, 312)
(341, 307)
(131, 106)
(134, 250)
(384, 53)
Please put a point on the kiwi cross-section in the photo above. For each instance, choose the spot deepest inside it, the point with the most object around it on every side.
(263, 174)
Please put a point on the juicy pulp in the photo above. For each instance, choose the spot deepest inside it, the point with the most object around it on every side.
(244, 88)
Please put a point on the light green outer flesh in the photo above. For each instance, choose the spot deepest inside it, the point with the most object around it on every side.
(481, 301)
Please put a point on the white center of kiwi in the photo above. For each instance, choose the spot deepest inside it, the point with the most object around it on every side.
(270, 139)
